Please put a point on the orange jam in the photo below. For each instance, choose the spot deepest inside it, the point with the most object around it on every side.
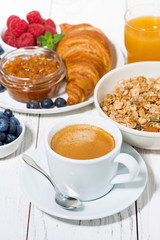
(31, 67)
(31, 73)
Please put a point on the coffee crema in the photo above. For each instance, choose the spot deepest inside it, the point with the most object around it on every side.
(82, 142)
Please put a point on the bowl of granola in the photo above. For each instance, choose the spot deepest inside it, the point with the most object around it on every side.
(130, 97)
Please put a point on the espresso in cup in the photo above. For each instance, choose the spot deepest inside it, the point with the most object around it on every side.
(82, 141)
(90, 173)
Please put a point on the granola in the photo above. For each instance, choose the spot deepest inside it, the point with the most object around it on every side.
(135, 103)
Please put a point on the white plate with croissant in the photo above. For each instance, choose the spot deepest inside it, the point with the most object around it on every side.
(88, 54)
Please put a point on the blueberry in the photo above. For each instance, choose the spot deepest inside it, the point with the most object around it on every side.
(60, 102)
(2, 88)
(2, 136)
(3, 125)
(33, 104)
(14, 120)
(10, 138)
(8, 113)
(1, 50)
(3, 116)
(47, 103)
(12, 128)
(19, 130)
(1, 113)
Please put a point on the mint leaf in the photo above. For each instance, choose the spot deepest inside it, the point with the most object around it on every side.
(42, 41)
(48, 35)
(48, 40)
(57, 37)
(50, 43)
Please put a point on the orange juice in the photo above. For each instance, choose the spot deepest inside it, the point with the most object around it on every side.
(142, 39)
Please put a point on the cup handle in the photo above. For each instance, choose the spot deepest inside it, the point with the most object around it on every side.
(131, 164)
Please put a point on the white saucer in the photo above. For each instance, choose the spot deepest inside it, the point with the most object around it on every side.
(41, 193)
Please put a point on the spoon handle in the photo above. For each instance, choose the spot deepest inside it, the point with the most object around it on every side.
(33, 164)
(64, 201)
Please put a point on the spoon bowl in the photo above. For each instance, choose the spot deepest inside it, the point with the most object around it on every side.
(63, 200)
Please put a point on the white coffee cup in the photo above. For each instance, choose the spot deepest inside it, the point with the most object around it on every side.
(93, 178)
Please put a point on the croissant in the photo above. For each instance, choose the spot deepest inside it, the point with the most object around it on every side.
(86, 53)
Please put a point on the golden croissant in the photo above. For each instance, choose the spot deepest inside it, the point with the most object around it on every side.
(86, 53)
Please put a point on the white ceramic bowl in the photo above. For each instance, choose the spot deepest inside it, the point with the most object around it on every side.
(141, 139)
(4, 45)
(9, 148)
(7, 48)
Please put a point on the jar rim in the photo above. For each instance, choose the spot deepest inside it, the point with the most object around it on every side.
(23, 51)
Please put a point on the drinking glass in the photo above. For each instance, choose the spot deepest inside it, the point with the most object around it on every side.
(142, 33)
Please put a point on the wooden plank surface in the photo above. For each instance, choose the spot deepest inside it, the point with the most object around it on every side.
(138, 222)
(43, 226)
(14, 206)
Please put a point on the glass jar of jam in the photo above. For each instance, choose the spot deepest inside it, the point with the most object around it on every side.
(31, 73)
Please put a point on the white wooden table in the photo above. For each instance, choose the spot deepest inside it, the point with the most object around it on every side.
(19, 219)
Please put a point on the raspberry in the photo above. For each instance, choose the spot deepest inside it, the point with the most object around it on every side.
(26, 39)
(34, 17)
(12, 41)
(11, 18)
(50, 23)
(50, 29)
(7, 35)
(18, 26)
(36, 29)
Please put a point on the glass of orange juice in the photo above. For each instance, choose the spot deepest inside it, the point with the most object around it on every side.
(142, 33)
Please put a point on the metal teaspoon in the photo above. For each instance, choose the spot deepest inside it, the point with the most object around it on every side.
(61, 199)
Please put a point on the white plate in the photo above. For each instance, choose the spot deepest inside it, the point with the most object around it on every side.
(41, 193)
(8, 102)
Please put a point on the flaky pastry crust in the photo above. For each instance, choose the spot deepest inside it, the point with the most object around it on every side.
(87, 55)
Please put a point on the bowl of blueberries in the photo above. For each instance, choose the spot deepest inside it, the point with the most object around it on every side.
(11, 132)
